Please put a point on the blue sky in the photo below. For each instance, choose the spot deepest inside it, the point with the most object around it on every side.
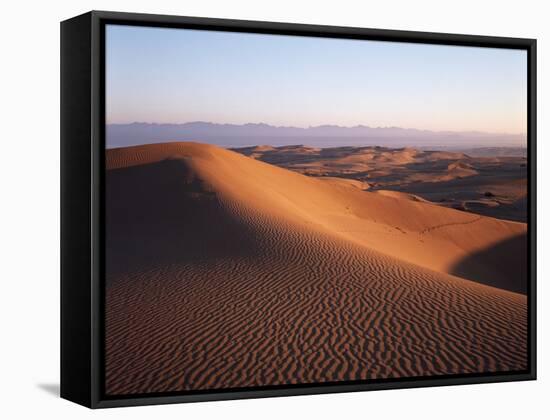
(178, 75)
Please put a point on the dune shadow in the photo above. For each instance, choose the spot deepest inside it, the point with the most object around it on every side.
(164, 213)
(52, 389)
(503, 265)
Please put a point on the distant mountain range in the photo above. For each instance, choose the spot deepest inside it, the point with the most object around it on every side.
(234, 135)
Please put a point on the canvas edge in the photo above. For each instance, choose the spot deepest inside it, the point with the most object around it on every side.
(76, 189)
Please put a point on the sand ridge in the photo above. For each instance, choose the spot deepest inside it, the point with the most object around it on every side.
(380, 221)
(303, 291)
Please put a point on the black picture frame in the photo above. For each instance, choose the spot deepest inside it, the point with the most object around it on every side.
(82, 198)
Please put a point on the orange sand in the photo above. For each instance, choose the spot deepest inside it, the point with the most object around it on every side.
(224, 271)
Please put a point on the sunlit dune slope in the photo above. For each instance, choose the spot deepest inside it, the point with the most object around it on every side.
(227, 272)
(411, 230)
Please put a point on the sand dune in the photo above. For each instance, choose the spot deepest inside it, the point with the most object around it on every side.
(401, 196)
(345, 182)
(455, 170)
(224, 271)
(447, 178)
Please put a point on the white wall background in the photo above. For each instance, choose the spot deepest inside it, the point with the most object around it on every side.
(29, 179)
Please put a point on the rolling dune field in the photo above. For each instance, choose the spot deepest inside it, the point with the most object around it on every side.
(487, 181)
(224, 271)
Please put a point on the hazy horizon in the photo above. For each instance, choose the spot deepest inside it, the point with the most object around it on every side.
(169, 76)
(252, 134)
(328, 124)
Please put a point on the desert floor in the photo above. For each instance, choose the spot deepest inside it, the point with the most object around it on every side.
(226, 270)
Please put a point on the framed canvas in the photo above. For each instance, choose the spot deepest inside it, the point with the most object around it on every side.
(254, 209)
